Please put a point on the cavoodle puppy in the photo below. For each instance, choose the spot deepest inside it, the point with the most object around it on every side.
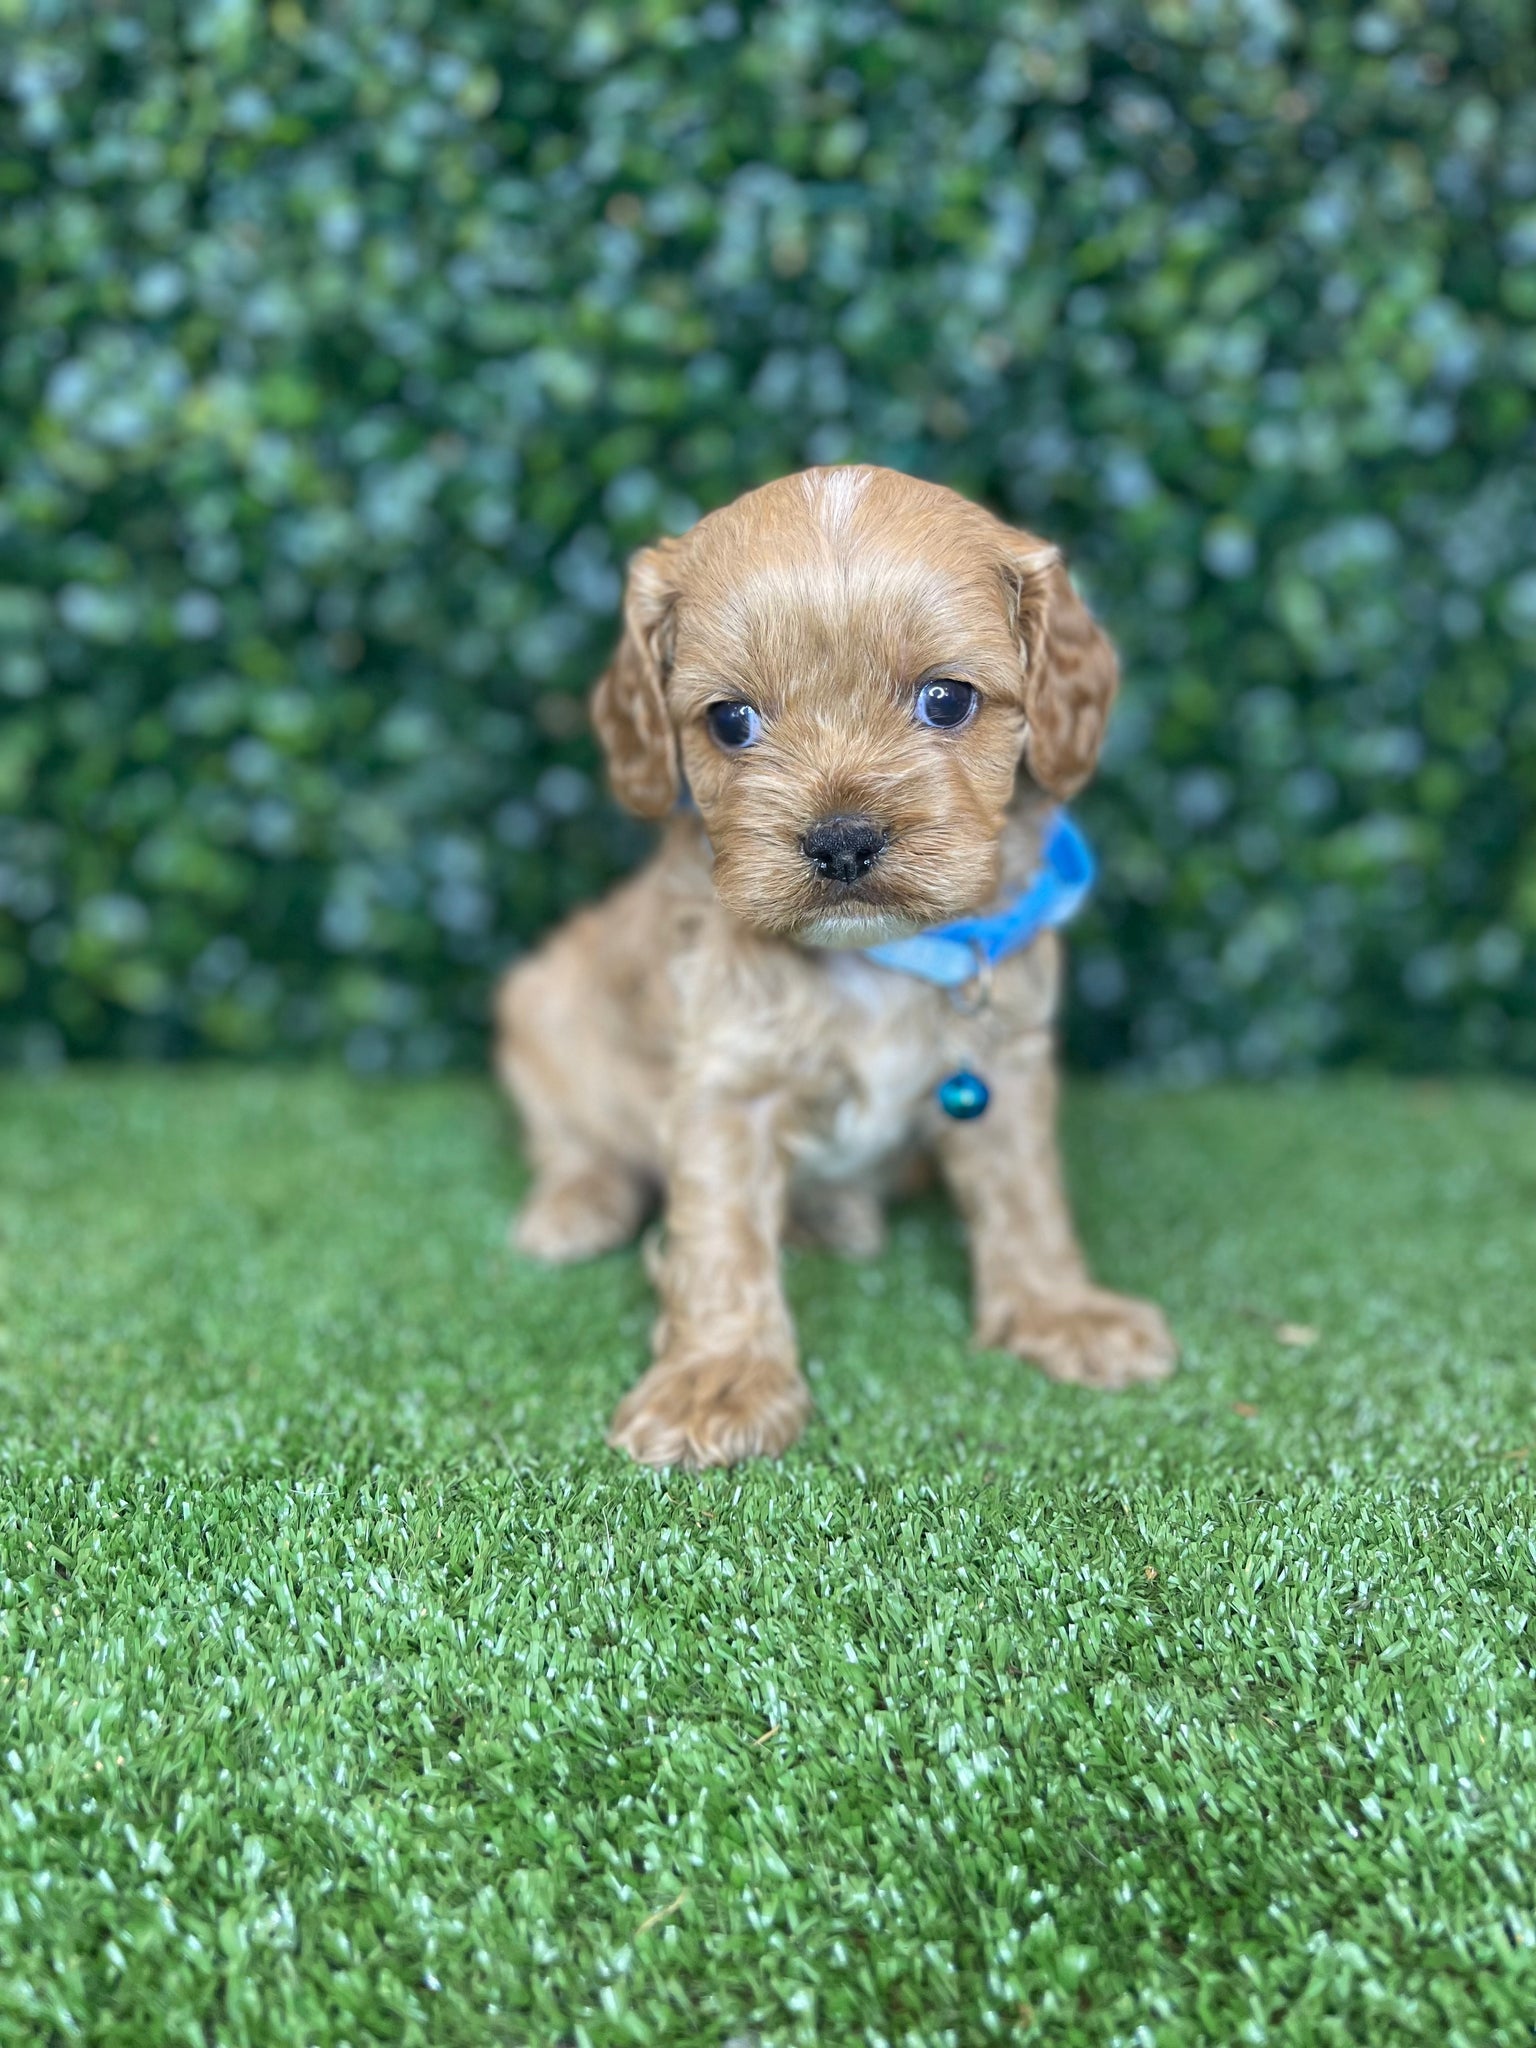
(854, 698)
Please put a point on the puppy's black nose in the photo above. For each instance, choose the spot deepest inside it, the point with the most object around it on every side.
(843, 849)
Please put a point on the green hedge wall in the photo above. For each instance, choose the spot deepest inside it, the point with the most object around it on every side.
(347, 349)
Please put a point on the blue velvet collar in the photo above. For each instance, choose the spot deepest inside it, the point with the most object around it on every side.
(951, 955)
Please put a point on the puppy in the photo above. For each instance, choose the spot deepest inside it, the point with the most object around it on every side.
(853, 697)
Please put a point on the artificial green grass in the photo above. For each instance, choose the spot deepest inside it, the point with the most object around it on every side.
(351, 1691)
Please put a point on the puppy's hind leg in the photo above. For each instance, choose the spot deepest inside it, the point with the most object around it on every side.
(586, 1197)
(845, 1217)
(579, 1209)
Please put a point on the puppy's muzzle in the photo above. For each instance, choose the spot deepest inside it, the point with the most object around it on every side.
(844, 849)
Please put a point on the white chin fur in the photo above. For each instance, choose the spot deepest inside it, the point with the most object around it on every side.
(847, 928)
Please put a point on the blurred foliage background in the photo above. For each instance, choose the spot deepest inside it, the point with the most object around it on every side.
(347, 349)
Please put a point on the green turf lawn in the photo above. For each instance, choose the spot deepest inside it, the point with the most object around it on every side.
(351, 1691)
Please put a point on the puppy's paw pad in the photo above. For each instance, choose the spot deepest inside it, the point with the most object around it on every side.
(563, 1221)
(710, 1414)
(1096, 1339)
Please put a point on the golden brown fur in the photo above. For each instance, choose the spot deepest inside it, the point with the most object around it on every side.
(710, 1036)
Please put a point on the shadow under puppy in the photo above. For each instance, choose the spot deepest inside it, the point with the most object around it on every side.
(872, 690)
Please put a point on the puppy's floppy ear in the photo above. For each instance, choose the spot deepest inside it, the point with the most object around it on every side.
(629, 705)
(1071, 672)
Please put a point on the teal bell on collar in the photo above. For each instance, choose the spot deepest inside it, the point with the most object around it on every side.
(963, 1096)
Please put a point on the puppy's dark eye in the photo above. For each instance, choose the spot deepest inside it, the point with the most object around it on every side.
(734, 725)
(946, 702)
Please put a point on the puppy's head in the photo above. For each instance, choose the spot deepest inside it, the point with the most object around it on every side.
(849, 667)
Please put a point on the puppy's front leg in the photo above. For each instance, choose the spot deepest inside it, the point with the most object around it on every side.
(724, 1385)
(1032, 1287)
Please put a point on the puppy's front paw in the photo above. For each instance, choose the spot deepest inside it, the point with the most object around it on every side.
(1090, 1338)
(715, 1413)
